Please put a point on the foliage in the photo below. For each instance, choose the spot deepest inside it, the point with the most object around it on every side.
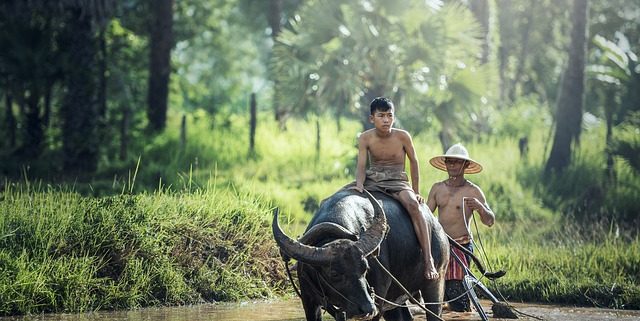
(337, 58)
(626, 144)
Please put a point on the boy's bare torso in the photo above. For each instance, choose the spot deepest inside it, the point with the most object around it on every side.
(386, 149)
(449, 201)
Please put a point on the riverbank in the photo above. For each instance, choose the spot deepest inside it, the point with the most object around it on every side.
(61, 252)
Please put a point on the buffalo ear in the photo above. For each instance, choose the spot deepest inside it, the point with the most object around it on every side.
(326, 231)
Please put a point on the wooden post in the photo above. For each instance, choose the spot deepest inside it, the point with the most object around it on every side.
(183, 133)
(252, 126)
(124, 131)
(318, 138)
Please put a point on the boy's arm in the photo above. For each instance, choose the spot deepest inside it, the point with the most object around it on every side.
(413, 164)
(362, 163)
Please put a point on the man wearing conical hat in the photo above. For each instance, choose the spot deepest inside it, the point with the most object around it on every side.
(456, 199)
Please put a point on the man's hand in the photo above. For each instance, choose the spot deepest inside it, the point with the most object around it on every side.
(420, 199)
(358, 188)
(473, 204)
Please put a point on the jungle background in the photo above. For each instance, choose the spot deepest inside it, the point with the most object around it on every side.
(145, 143)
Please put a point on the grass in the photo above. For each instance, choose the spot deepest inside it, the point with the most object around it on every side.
(187, 224)
(568, 264)
(60, 251)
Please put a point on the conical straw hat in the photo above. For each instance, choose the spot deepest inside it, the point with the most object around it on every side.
(456, 151)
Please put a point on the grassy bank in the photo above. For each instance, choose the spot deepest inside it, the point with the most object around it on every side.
(63, 252)
(565, 263)
(187, 224)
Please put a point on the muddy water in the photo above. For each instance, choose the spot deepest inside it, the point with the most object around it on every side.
(291, 310)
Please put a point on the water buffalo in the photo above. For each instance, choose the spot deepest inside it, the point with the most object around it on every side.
(337, 270)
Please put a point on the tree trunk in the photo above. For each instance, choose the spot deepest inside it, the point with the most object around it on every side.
(480, 9)
(160, 64)
(506, 25)
(79, 113)
(570, 100)
(252, 126)
(274, 17)
(525, 34)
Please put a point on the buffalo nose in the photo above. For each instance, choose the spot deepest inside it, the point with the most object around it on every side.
(367, 312)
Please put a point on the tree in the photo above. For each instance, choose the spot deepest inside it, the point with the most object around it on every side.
(161, 39)
(481, 11)
(568, 117)
(27, 39)
(80, 106)
(347, 54)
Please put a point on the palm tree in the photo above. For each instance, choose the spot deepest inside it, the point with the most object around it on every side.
(337, 58)
(614, 70)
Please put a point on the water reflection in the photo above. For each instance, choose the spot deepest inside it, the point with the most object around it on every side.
(289, 310)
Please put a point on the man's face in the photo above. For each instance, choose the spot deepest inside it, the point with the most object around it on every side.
(455, 166)
(382, 120)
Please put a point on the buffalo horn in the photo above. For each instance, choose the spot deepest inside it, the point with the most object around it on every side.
(301, 252)
(373, 236)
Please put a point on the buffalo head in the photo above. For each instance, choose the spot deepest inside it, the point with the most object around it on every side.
(332, 263)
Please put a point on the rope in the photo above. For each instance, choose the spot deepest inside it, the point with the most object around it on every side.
(411, 298)
(486, 259)
(286, 264)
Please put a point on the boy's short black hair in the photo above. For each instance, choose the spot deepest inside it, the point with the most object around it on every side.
(381, 104)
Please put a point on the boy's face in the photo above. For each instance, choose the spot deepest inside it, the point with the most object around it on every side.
(382, 120)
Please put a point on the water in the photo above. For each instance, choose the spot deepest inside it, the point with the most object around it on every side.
(291, 310)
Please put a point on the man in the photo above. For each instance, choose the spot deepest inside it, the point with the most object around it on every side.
(386, 147)
(456, 199)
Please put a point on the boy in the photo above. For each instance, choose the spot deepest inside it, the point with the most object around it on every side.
(456, 199)
(387, 148)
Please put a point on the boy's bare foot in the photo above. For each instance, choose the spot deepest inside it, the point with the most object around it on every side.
(430, 272)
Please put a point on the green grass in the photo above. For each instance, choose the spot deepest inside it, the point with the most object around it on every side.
(60, 251)
(567, 264)
(181, 225)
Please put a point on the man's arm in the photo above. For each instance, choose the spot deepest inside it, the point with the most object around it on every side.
(479, 204)
(431, 199)
(362, 162)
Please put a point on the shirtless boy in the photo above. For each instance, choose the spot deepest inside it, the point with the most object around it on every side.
(386, 148)
(457, 199)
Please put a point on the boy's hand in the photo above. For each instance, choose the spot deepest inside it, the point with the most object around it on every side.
(358, 188)
(420, 199)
